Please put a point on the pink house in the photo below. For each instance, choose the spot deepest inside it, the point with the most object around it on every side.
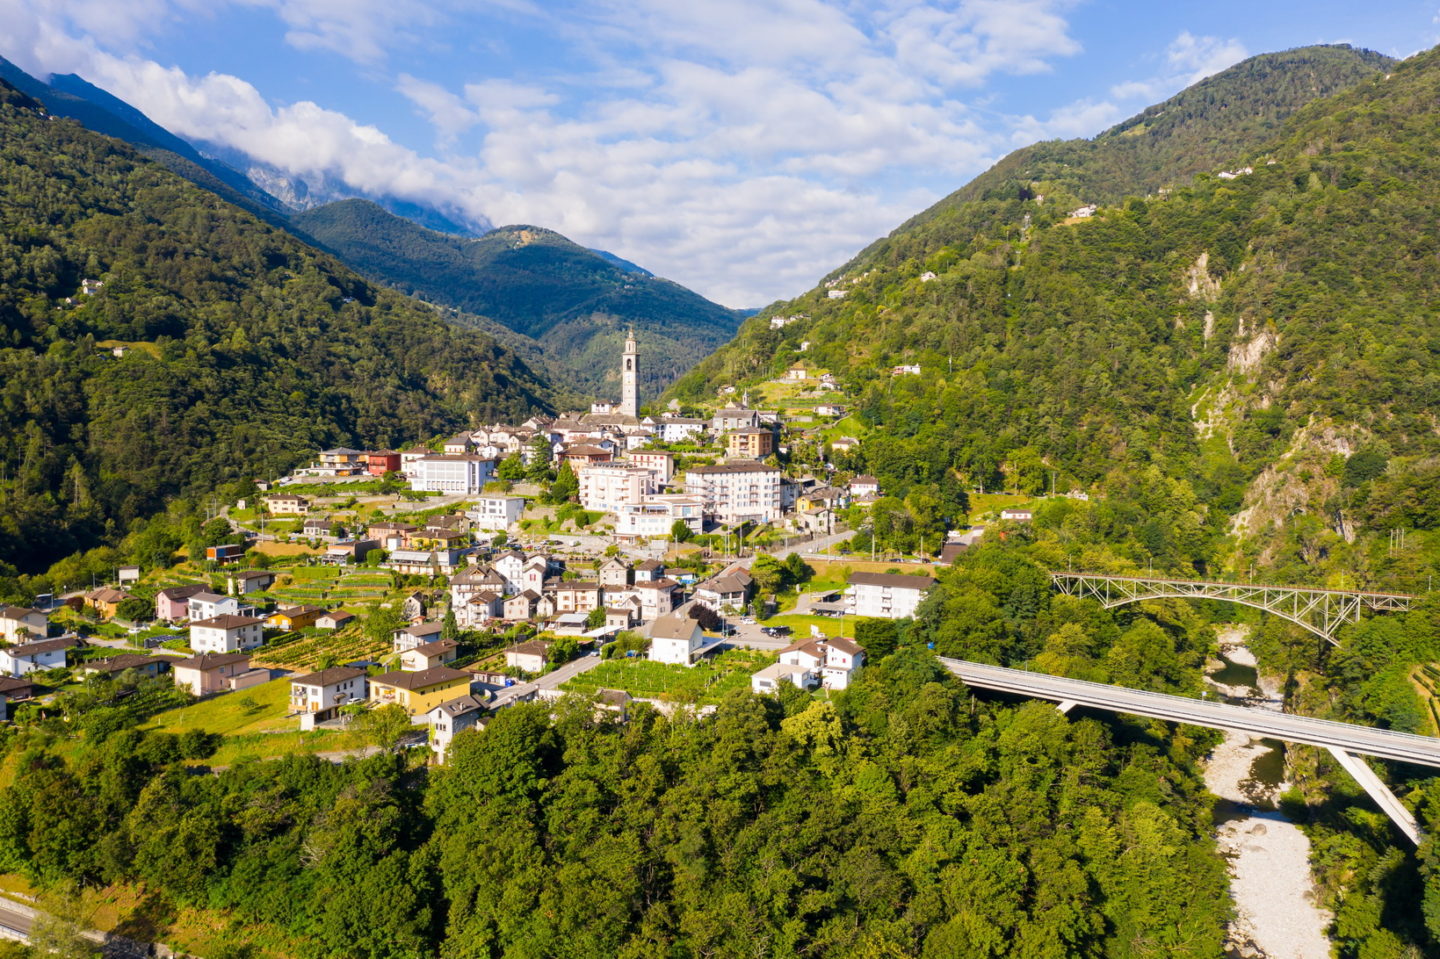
(173, 604)
(209, 672)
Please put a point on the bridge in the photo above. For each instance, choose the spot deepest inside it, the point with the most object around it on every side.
(1346, 741)
(1321, 611)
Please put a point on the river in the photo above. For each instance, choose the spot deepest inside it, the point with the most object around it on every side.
(1276, 916)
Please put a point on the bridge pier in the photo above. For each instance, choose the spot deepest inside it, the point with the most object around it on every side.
(1361, 772)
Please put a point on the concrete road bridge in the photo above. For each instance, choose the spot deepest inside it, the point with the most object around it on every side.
(1321, 611)
(1346, 741)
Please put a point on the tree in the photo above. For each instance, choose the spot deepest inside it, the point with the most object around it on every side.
(537, 470)
(563, 649)
(386, 725)
(680, 531)
(879, 637)
(449, 628)
(566, 487)
(135, 610)
(382, 623)
(511, 469)
(596, 619)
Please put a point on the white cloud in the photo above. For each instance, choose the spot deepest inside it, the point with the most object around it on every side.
(1199, 57)
(741, 147)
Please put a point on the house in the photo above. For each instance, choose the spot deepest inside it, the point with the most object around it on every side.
(737, 491)
(886, 595)
(1017, 515)
(414, 607)
(335, 619)
(659, 462)
(462, 474)
(829, 409)
(426, 562)
(106, 600)
(316, 526)
(731, 418)
(43, 654)
(458, 445)
(419, 692)
(864, 485)
(19, 623)
(127, 575)
(291, 618)
(797, 374)
(678, 429)
(451, 718)
(575, 596)
(650, 570)
(656, 596)
(380, 462)
(115, 665)
(497, 512)
(584, 454)
(350, 551)
(1084, 212)
(250, 581)
(607, 487)
(228, 633)
(341, 461)
(438, 653)
(768, 680)
(225, 553)
(614, 572)
(417, 635)
(209, 672)
(834, 660)
(173, 604)
(13, 690)
(675, 638)
(730, 587)
(655, 516)
(531, 656)
(751, 443)
(286, 504)
(320, 695)
(536, 571)
(621, 617)
(479, 609)
(389, 535)
(522, 606)
(844, 444)
(836, 294)
(207, 605)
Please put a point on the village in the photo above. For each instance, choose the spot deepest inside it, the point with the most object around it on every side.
(672, 559)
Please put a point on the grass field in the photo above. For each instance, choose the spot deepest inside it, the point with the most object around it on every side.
(983, 504)
(708, 682)
(256, 710)
(801, 623)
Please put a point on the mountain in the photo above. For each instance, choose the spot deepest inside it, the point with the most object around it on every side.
(575, 303)
(243, 348)
(1249, 331)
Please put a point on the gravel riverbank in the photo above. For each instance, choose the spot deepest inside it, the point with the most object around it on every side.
(1270, 881)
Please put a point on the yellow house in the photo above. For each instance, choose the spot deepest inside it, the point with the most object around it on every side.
(293, 617)
(418, 693)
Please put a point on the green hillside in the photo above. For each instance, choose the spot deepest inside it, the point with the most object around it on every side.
(1223, 329)
(575, 303)
(248, 348)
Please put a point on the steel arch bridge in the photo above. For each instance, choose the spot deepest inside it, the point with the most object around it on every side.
(1321, 611)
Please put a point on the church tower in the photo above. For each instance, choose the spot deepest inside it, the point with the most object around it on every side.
(629, 379)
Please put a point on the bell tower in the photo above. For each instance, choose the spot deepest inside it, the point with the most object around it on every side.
(629, 378)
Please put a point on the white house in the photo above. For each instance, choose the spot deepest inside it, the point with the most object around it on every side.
(737, 491)
(455, 473)
(322, 693)
(530, 655)
(455, 716)
(20, 622)
(417, 635)
(677, 429)
(225, 634)
(834, 661)
(608, 487)
(768, 680)
(210, 605)
(675, 638)
(1017, 515)
(655, 516)
(886, 595)
(497, 512)
(864, 486)
(27, 658)
(729, 587)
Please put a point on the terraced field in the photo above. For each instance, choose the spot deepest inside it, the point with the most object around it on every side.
(303, 653)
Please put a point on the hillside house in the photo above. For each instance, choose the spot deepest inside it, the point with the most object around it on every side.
(417, 635)
(151, 666)
(39, 655)
(250, 581)
(318, 696)
(531, 656)
(208, 605)
(429, 655)
(676, 638)
(738, 491)
(497, 513)
(286, 504)
(768, 680)
(419, 692)
(454, 474)
(21, 623)
(106, 600)
(449, 719)
(335, 619)
(173, 604)
(210, 672)
(226, 634)
(728, 588)
(886, 595)
(291, 618)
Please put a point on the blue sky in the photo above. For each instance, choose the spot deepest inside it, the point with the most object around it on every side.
(742, 148)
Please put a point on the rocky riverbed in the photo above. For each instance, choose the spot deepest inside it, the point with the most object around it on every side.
(1270, 881)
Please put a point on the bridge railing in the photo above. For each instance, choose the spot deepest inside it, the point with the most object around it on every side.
(1107, 577)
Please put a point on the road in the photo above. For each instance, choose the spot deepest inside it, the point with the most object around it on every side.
(1382, 743)
(552, 680)
(15, 924)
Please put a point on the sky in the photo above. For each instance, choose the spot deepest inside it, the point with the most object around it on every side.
(742, 148)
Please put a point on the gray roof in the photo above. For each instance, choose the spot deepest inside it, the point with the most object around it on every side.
(891, 580)
(328, 677)
(674, 626)
(420, 679)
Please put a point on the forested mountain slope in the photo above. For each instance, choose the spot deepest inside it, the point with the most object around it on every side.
(1219, 329)
(576, 303)
(243, 347)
